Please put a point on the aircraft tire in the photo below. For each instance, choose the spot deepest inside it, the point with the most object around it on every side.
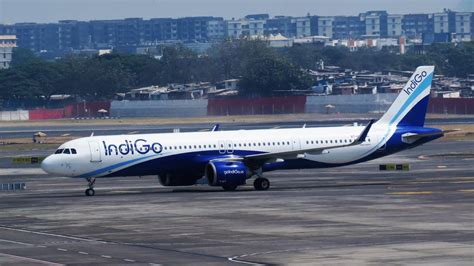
(261, 183)
(90, 192)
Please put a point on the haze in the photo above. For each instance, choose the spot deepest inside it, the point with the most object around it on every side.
(13, 11)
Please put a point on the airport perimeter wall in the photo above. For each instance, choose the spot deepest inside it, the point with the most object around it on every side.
(257, 106)
(166, 108)
(356, 103)
(15, 115)
(362, 103)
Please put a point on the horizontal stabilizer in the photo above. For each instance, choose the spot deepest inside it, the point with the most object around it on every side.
(413, 137)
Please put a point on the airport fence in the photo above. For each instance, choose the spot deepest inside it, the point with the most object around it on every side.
(14, 115)
(360, 103)
(460, 106)
(165, 108)
(355, 103)
(256, 106)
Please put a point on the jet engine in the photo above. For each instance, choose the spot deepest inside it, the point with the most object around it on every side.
(226, 173)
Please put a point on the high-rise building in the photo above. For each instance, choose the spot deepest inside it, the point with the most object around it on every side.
(194, 29)
(215, 30)
(463, 26)
(7, 43)
(394, 25)
(414, 26)
(280, 25)
(235, 28)
(375, 23)
(303, 26)
(347, 27)
(325, 26)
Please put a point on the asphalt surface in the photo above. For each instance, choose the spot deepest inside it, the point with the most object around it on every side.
(349, 215)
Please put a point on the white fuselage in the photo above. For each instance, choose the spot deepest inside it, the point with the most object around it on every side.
(104, 155)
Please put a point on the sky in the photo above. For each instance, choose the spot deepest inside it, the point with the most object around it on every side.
(13, 11)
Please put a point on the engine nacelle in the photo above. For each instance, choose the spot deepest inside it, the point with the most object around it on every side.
(177, 180)
(220, 173)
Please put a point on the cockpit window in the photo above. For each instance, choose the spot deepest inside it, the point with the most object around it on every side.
(59, 151)
(67, 151)
(73, 151)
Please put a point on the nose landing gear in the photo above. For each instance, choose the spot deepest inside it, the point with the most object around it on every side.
(90, 191)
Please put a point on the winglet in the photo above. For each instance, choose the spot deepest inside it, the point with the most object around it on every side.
(364, 133)
(215, 128)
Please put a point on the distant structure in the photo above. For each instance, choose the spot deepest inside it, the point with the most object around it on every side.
(7, 43)
(198, 33)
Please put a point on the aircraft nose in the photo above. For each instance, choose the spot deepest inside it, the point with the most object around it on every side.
(48, 165)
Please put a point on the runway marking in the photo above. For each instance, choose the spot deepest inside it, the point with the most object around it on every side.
(125, 191)
(411, 193)
(83, 253)
(62, 249)
(236, 260)
(106, 256)
(31, 260)
(16, 242)
(461, 182)
(441, 166)
(128, 260)
(467, 190)
(53, 235)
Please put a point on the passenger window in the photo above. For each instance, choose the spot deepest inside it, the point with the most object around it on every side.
(73, 151)
(59, 151)
(67, 151)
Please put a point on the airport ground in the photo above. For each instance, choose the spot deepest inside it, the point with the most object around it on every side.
(349, 215)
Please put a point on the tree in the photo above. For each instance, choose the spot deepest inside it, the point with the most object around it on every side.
(23, 56)
(267, 74)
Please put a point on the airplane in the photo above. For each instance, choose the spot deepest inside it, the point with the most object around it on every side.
(229, 158)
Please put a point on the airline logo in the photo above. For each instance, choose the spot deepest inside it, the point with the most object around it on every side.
(234, 172)
(139, 146)
(413, 84)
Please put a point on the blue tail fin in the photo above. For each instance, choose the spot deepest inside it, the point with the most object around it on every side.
(409, 109)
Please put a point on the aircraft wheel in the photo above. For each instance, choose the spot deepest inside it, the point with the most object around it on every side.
(90, 192)
(229, 187)
(261, 183)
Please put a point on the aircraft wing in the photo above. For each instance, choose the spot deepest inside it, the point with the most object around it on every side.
(300, 153)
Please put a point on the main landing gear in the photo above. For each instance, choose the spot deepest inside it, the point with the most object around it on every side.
(261, 183)
(90, 191)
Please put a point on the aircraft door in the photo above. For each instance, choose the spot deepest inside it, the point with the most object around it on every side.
(230, 148)
(95, 151)
(296, 145)
(222, 147)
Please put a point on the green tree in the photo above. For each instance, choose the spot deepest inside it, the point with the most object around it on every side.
(265, 75)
